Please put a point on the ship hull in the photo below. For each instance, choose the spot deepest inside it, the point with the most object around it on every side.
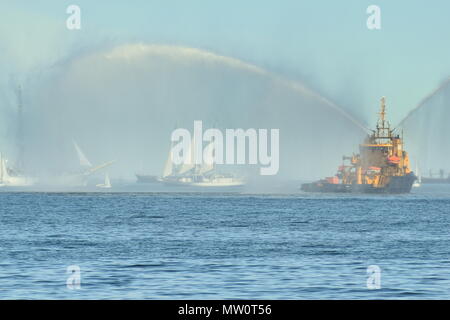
(142, 178)
(397, 184)
(202, 184)
(426, 180)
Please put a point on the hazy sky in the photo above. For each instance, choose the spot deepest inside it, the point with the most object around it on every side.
(325, 44)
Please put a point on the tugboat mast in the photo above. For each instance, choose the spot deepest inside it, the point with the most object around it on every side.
(383, 126)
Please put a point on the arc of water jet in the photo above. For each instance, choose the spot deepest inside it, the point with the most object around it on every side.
(425, 100)
(129, 52)
(299, 87)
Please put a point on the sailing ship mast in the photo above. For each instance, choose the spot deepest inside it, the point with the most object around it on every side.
(168, 167)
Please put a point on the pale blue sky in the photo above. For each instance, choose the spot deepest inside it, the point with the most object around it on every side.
(323, 43)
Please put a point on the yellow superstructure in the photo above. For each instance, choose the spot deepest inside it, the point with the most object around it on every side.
(381, 157)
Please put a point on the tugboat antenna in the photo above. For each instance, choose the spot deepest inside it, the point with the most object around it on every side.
(383, 109)
(383, 126)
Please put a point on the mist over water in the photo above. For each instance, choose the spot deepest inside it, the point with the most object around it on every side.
(123, 103)
(427, 132)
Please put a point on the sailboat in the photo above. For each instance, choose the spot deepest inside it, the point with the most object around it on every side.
(106, 184)
(10, 177)
(79, 178)
(418, 182)
(194, 175)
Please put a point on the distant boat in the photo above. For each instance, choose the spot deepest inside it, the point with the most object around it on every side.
(146, 178)
(191, 174)
(440, 180)
(107, 183)
(142, 177)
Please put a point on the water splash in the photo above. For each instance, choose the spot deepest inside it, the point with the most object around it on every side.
(130, 52)
(425, 100)
(427, 131)
(123, 103)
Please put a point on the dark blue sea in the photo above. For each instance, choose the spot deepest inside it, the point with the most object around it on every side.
(163, 245)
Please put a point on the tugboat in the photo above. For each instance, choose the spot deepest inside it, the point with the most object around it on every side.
(382, 166)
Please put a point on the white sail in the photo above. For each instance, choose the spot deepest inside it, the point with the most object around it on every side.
(81, 156)
(168, 167)
(5, 174)
(107, 181)
(189, 159)
(208, 159)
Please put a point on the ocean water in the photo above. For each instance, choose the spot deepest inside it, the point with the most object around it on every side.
(162, 245)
